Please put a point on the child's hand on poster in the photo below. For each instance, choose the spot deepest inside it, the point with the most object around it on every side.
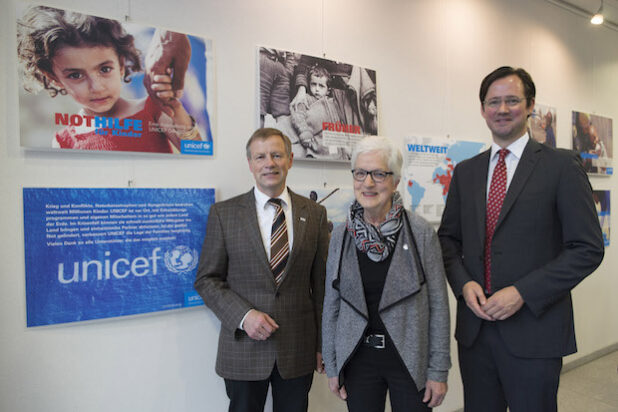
(163, 89)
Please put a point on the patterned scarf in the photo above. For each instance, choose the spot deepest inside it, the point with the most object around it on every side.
(376, 242)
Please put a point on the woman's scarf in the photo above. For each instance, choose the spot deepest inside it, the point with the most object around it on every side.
(376, 242)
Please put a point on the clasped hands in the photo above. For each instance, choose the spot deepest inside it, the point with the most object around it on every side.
(500, 306)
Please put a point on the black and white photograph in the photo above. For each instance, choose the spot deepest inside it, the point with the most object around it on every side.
(324, 106)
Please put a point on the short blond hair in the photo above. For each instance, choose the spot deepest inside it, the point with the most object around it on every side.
(265, 133)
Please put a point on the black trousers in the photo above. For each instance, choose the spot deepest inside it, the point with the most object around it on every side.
(289, 395)
(493, 378)
(371, 372)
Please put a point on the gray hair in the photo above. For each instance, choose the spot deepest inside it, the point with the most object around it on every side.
(385, 147)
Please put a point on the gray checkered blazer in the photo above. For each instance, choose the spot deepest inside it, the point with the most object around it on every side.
(234, 276)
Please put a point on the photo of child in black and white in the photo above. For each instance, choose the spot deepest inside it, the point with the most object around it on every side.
(324, 106)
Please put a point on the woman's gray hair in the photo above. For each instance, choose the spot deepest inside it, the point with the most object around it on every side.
(385, 147)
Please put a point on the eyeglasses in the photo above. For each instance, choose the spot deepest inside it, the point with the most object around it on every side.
(378, 176)
(510, 101)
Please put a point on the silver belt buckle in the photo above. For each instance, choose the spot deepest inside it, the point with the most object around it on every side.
(371, 341)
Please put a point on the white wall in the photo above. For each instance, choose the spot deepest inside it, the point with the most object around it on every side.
(430, 56)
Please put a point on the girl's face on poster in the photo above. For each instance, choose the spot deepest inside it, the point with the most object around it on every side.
(91, 75)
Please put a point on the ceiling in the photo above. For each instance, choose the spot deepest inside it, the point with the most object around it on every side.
(586, 8)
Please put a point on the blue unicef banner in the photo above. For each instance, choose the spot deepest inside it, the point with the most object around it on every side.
(99, 253)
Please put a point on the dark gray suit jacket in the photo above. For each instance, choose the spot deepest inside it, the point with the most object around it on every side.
(234, 276)
(547, 240)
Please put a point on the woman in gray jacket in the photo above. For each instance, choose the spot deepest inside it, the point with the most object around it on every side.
(385, 324)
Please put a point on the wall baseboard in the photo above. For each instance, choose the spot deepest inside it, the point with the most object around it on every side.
(590, 357)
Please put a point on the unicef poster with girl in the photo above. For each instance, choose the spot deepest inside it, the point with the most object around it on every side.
(93, 83)
(323, 106)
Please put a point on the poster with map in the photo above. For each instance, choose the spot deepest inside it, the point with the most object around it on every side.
(429, 165)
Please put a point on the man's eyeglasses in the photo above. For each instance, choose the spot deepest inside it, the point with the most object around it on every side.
(510, 101)
(378, 176)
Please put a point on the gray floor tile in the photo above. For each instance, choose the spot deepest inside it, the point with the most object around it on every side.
(591, 387)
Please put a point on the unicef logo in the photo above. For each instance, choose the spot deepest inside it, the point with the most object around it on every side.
(181, 259)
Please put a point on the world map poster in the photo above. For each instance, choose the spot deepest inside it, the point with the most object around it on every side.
(429, 164)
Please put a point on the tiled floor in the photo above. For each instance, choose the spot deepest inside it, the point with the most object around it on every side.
(592, 387)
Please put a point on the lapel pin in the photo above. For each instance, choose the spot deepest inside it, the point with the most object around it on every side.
(302, 219)
(405, 246)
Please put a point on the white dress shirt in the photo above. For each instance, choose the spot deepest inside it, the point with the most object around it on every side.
(516, 149)
(266, 215)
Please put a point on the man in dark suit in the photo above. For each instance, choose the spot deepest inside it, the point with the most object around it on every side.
(261, 272)
(519, 231)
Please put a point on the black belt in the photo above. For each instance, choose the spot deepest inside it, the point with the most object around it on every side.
(375, 341)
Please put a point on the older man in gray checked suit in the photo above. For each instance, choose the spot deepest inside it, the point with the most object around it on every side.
(261, 272)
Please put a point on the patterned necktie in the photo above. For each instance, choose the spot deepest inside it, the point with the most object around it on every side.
(279, 248)
(497, 191)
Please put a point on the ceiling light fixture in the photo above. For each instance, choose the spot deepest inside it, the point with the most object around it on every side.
(598, 16)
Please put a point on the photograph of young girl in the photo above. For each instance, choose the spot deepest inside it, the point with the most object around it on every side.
(92, 83)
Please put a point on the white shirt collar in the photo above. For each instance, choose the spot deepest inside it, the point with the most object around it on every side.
(516, 148)
(261, 199)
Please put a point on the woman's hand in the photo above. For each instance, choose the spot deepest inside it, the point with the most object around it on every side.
(434, 393)
(319, 365)
(333, 384)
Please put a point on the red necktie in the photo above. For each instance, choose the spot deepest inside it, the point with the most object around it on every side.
(497, 191)
(279, 248)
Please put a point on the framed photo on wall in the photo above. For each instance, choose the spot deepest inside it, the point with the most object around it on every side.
(97, 84)
(323, 106)
(593, 139)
